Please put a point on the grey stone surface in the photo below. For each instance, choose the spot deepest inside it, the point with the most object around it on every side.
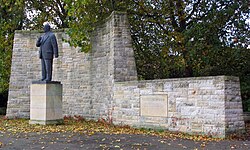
(154, 105)
(46, 103)
(203, 105)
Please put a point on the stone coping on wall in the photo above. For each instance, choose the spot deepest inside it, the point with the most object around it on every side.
(231, 78)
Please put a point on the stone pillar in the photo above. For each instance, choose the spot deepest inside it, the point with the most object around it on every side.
(46, 102)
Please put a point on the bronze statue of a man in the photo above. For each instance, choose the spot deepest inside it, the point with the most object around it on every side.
(48, 49)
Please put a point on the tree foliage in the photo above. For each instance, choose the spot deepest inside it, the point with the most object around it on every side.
(11, 19)
(40, 11)
(194, 36)
(190, 35)
(84, 16)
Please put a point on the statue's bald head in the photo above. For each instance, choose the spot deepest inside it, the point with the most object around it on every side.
(46, 28)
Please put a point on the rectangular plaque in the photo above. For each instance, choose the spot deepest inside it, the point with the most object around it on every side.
(154, 105)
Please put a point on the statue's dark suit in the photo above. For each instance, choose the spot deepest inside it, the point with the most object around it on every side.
(48, 49)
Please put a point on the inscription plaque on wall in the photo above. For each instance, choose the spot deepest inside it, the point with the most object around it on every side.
(154, 105)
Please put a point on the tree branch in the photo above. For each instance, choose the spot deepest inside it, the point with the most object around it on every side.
(195, 6)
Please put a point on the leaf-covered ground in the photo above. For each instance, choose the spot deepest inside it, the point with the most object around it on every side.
(80, 125)
(103, 135)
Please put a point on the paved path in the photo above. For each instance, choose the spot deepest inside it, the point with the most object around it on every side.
(75, 141)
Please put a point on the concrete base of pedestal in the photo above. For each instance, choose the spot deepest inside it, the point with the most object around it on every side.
(46, 103)
(46, 122)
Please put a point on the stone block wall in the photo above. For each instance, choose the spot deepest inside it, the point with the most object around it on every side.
(202, 105)
(25, 67)
(87, 78)
(70, 68)
(103, 84)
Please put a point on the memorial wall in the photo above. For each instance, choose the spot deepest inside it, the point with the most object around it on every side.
(103, 84)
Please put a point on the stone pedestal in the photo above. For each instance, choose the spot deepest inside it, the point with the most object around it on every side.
(46, 102)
